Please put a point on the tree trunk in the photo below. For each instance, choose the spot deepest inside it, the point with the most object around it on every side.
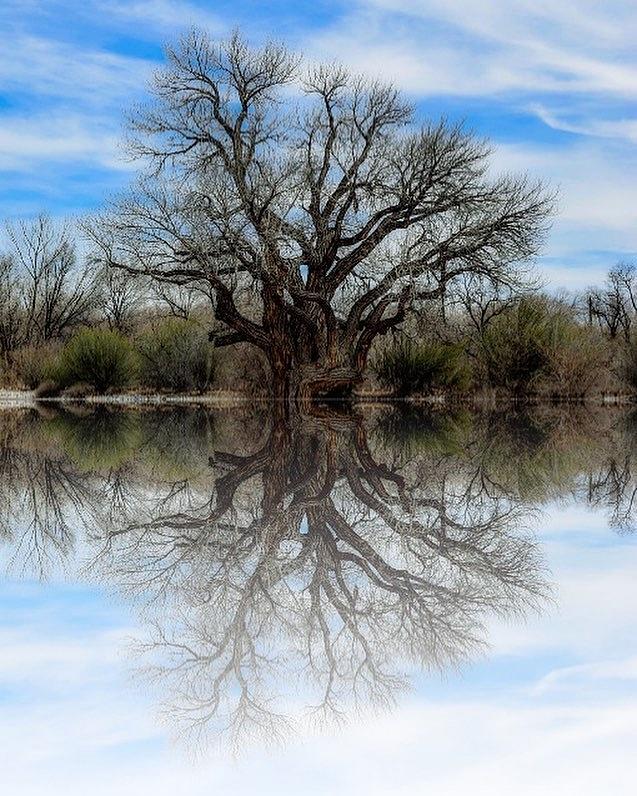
(317, 384)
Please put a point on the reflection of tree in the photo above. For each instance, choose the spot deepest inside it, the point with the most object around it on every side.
(614, 488)
(612, 483)
(42, 500)
(314, 568)
(64, 471)
(318, 566)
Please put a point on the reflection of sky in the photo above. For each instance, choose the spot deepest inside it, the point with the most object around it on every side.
(552, 709)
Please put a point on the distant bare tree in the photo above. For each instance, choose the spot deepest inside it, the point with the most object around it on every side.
(121, 297)
(12, 320)
(56, 293)
(614, 306)
(333, 208)
(480, 303)
(177, 300)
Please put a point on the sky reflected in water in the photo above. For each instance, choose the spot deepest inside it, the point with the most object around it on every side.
(401, 600)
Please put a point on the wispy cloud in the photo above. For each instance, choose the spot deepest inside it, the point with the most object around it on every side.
(526, 46)
(27, 143)
(166, 15)
(34, 66)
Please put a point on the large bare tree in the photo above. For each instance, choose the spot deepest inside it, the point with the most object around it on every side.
(311, 205)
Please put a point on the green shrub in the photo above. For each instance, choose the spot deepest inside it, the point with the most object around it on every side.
(175, 354)
(577, 359)
(515, 346)
(628, 364)
(416, 367)
(538, 345)
(34, 365)
(98, 357)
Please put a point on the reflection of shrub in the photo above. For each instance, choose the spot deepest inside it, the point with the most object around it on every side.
(99, 440)
(34, 364)
(175, 354)
(413, 367)
(98, 357)
(176, 442)
(409, 431)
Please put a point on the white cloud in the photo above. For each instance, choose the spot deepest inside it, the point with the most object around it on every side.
(541, 46)
(26, 143)
(166, 15)
(597, 201)
(625, 128)
(33, 66)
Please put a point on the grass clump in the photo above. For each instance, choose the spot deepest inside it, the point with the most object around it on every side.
(412, 367)
(101, 358)
(176, 355)
(34, 365)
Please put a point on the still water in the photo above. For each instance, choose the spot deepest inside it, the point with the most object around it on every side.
(393, 603)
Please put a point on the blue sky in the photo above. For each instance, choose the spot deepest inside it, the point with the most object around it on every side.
(554, 85)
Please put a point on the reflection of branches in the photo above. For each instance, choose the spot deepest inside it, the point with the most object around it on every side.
(307, 565)
(614, 488)
(315, 565)
(41, 502)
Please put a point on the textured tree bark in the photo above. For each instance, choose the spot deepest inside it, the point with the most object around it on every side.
(317, 383)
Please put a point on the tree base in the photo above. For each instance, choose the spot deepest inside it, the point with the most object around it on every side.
(326, 386)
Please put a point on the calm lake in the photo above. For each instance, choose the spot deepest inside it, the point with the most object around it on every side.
(400, 602)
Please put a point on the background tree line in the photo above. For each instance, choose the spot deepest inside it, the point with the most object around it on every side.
(61, 310)
(67, 321)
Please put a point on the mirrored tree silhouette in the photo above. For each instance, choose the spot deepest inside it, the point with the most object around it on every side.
(303, 575)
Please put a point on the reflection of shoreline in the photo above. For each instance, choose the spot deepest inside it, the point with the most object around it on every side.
(301, 558)
(334, 556)
(27, 398)
(365, 399)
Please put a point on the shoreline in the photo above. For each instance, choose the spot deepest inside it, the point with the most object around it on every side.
(27, 399)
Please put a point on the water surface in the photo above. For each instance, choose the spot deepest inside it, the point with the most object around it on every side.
(381, 604)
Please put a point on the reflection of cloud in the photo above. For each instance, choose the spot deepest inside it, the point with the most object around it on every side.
(578, 676)
(596, 609)
(542, 729)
